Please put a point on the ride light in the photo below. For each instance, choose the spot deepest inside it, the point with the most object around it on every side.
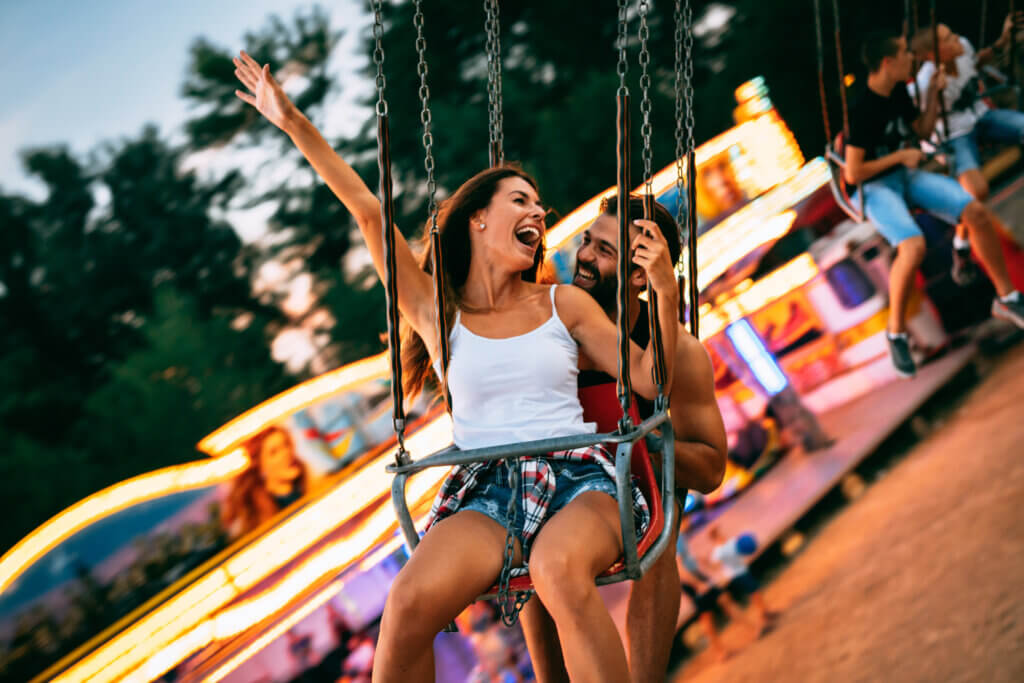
(757, 357)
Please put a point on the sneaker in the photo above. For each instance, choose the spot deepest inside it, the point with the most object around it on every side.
(1012, 310)
(965, 270)
(899, 349)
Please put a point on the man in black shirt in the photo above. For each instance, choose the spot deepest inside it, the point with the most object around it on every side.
(700, 451)
(882, 154)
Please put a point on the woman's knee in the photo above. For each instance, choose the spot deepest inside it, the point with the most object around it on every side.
(559, 578)
(408, 600)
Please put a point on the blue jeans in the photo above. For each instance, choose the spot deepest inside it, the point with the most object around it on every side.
(492, 492)
(1004, 126)
(888, 199)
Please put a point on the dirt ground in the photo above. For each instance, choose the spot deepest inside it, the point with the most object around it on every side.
(921, 578)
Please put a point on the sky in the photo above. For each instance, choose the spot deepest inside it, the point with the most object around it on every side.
(83, 72)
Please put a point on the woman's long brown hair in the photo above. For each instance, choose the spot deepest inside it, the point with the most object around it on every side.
(249, 503)
(453, 223)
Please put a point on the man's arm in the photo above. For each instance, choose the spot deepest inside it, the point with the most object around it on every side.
(990, 53)
(700, 446)
(857, 170)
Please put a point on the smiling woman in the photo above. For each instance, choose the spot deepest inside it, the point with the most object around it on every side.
(491, 239)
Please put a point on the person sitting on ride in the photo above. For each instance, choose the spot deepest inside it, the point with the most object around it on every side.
(512, 377)
(882, 120)
(700, 449)
(971, 120)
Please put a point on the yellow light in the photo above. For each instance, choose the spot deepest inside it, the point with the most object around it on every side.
(296, 398)
(776, 284)
(271, 635)
(849, 80)
(187, 611)
(114, 499)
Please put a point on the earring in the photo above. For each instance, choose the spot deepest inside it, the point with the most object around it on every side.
(482, 226)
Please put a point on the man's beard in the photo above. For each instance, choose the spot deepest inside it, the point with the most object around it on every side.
(604, 288)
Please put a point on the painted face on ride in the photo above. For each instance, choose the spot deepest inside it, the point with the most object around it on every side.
(277, 459)
(950, 46)
(597, 260)
(512, 226)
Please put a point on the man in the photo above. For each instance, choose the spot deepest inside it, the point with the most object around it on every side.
(881, 121)
(970, 119)
(700, 450)
(728, 554)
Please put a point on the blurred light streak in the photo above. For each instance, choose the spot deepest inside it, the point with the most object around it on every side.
(113, 499)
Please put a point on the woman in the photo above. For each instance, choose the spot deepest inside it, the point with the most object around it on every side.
(515, 345)
(274, 479)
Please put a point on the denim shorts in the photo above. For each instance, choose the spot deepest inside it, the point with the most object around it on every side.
(491, 494)
(1004, 126)
(889, 198)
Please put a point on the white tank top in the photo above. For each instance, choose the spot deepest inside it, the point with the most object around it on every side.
(514, 389)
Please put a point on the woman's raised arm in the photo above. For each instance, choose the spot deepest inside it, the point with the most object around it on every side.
(415, 292)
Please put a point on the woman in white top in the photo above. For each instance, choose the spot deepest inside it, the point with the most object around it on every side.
(514, 351)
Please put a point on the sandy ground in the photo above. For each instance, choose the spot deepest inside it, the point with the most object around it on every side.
(921, 578)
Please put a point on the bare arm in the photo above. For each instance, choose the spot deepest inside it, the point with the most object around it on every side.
(596, 334)
(924, 125)
(415, 299)
(857, 170)
(989, 54)
(701, 445)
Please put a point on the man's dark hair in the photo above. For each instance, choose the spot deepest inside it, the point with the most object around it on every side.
(877, 46)
(666, 223)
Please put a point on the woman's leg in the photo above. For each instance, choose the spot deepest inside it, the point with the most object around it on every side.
(455, 562)
(579, 542)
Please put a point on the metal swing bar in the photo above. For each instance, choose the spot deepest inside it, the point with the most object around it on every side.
(833, 157)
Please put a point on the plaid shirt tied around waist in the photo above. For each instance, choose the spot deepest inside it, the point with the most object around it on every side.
(537, 488)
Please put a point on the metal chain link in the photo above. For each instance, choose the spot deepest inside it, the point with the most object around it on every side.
(510, 602)
(677, 87)
(645, 97)
(688, 73)
(622, 68)
(425, 116)
(496, 118)
(378, 56)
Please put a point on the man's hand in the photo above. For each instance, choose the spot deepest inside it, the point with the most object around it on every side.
(650, 251)
(911, 157)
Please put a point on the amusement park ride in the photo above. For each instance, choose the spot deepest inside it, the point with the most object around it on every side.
(792, 304)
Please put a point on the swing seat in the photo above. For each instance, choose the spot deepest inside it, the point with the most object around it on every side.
(835, 156)
(601, 405)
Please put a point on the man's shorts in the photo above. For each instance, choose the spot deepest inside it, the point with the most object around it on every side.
(889, 198)
(1004, 126)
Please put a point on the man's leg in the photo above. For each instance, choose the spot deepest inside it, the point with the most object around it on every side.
(542, 642)
(945, 198)
(981, 225)
(651, 618)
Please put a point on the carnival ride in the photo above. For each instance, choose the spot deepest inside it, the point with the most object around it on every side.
(792, 297)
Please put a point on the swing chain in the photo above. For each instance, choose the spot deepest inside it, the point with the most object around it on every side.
(645, 98)
(677, 88)
(622, 68)
(688, 75)
(425, 116)
(378, 56)
(510, 602)
(496, 117)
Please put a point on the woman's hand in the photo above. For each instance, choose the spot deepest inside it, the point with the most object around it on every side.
(650, 252)
(265, 93)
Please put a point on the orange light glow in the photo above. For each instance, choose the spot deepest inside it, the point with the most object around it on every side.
(296, 398)
(776, 284)
(114, 499)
